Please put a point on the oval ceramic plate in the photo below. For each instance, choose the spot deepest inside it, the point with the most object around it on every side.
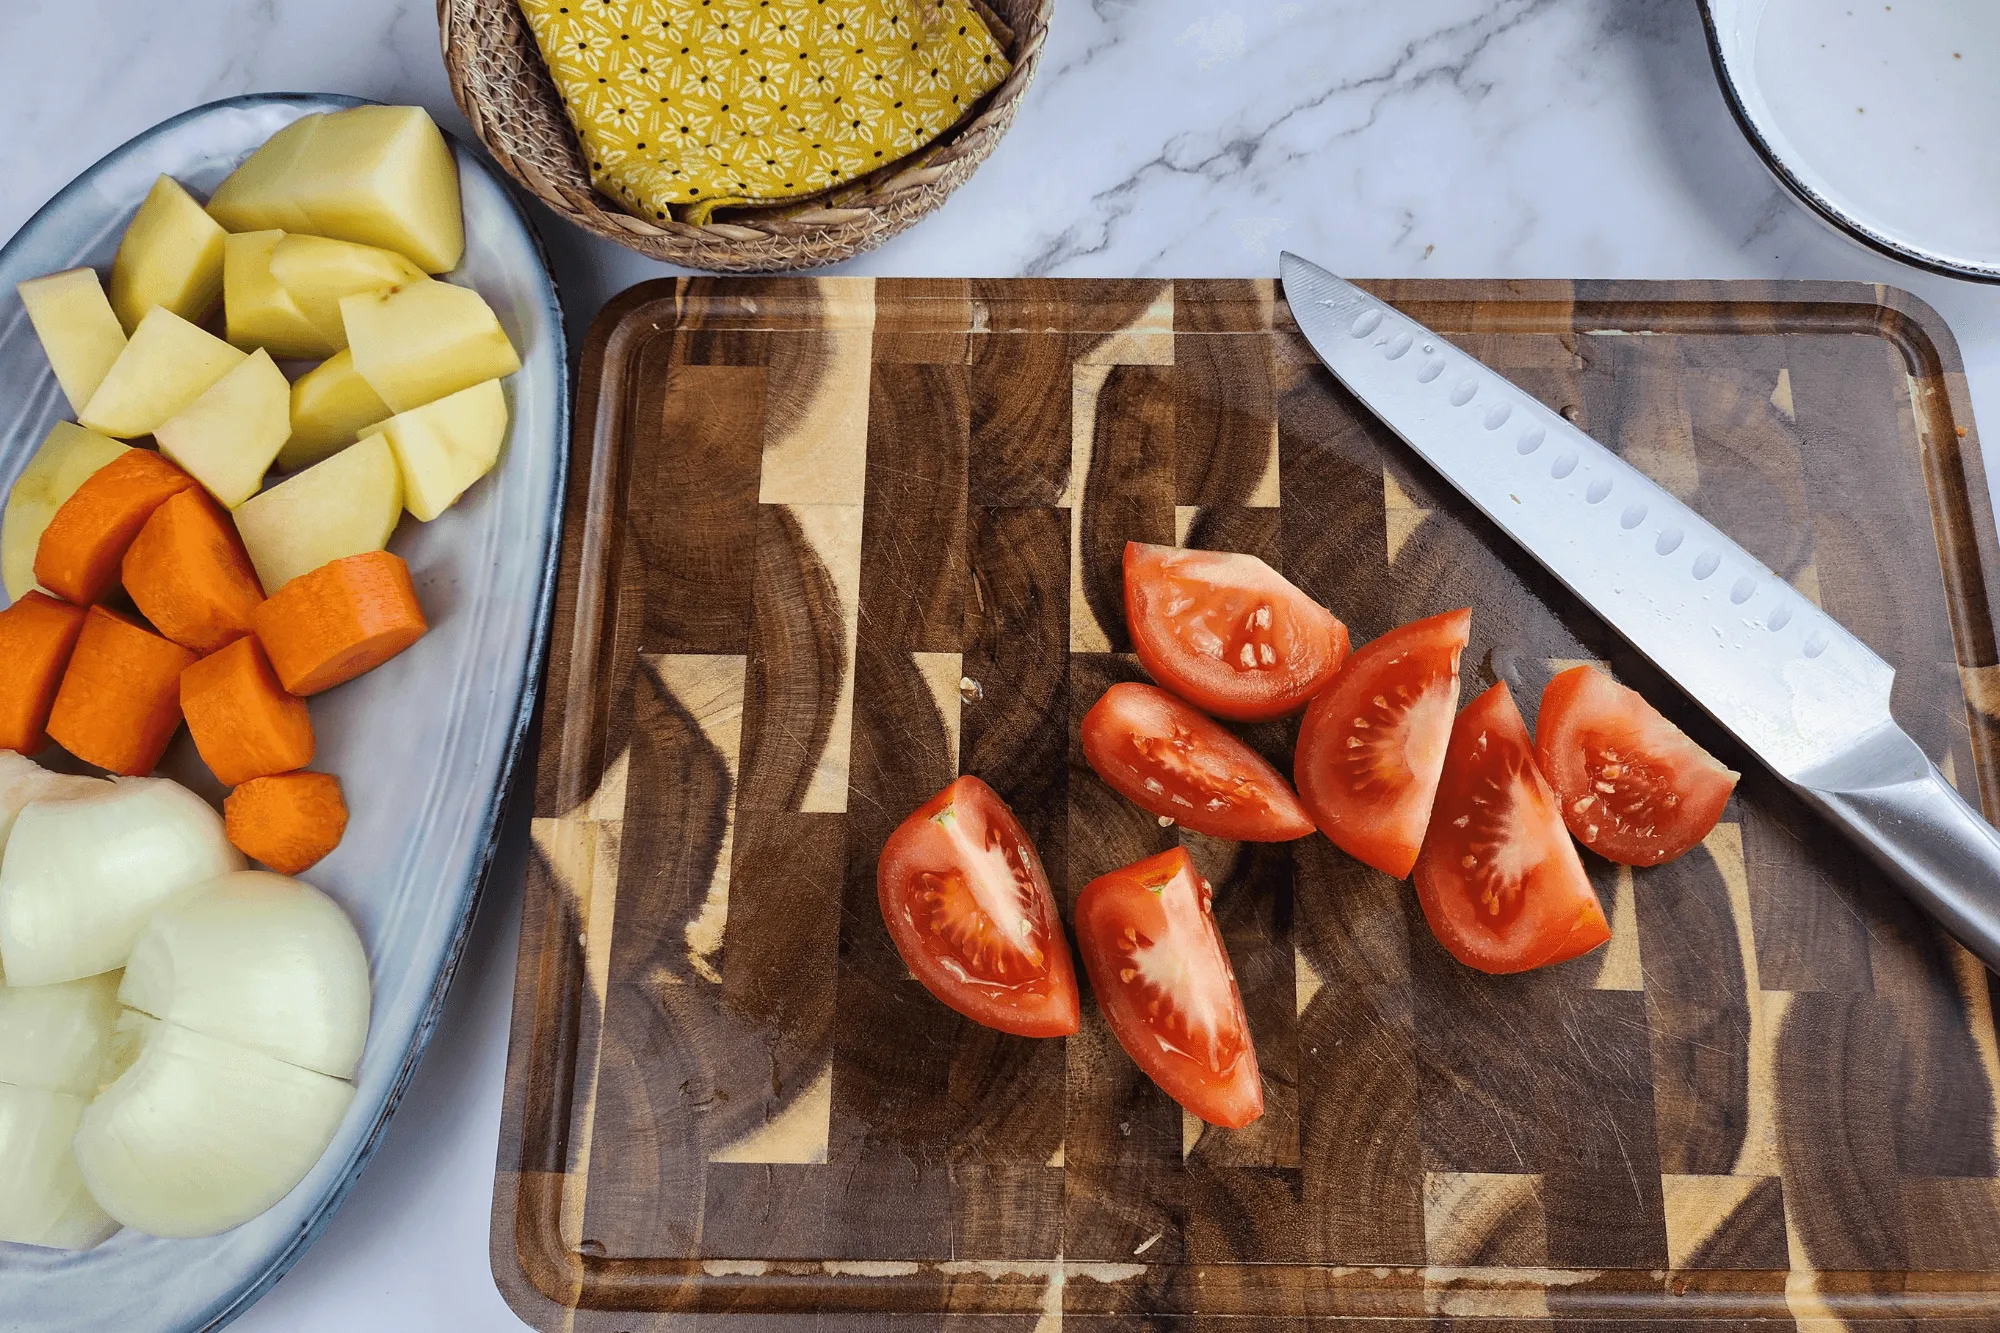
(424, 746)
(1879, 117)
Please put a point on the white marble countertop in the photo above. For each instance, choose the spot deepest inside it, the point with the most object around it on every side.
(1447, 138)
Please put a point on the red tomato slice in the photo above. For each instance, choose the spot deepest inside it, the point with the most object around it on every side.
(969, 907)
(1227, 632)
(1632, 786)
(1165, 757)
(1499, 879)
(1156, 961)
(1373, 742)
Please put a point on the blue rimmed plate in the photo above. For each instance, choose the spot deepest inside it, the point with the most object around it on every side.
(424, 746)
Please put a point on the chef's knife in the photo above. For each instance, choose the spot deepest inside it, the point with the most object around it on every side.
(1809, 699)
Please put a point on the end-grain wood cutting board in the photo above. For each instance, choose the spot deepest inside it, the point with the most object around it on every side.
(831, 542)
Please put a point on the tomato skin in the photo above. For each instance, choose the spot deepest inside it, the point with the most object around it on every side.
(1524, 900)
(1139, 734)
(1194, 615)
(962, 861)
(1633, 787)
(1368, 772)
(1162, 977)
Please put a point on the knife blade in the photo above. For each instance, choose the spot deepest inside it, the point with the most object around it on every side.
(1805, 696)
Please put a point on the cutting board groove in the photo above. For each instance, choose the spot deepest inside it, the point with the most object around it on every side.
(832, 542)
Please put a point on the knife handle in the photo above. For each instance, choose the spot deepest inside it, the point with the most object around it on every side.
(1918, 828)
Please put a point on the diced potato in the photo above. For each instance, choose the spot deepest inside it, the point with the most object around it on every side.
(258, 309)
(67, 456)
(343, 506)
(171, 256)
(377, 175)
(226, 438)
(79, 331)
(331, 404)
(318, 272)
(445, 446)
(416, 343)
(42, 1196)
(167, 365)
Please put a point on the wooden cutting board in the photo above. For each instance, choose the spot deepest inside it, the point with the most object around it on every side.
(831, 542)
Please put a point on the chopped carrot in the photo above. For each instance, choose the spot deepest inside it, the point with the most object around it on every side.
(348, 616)
(187, 573)
(288, 821)
(242, 721)
(36, 636)
(120, 701)
(78, 557)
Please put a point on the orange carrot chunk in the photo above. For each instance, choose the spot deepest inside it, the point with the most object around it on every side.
(242, 721)
(78, 557)
(120, 701)
(37, 634)
(288, 821)
(348, 616)
(188, 573)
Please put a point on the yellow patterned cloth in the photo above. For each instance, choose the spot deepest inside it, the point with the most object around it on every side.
(693, 105)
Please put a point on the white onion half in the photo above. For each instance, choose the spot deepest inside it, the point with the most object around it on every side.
(199, 1135)
(42, 1197)
(260, 960)
(23, 780)
(81, 874)
(58, 1037)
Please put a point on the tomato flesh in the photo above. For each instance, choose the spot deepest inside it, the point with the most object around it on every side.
(968, 905)
(1373, 743)
(1633, 787)
(1165, 757)
(1156, 961)
(1227, 632)
(1500, 881)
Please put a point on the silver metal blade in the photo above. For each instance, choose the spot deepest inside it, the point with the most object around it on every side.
(1785, 677)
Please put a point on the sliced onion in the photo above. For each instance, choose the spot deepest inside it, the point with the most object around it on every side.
(260, 960)
(23, 780)
(81, 874)
(199, 1135)
(58, 1037)
(42, 1198)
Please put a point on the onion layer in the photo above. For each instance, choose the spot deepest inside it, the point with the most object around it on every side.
(81, 874)
(58, 1037)
(23, 780)
(199, 1135)
(42, 1197)
(260, 960)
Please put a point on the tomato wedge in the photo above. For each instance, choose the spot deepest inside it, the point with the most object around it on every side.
(969, 907)
(1632, 786)
(1227, 632)
(1156, 961)
(1498, 877)
(1373, 742)
(1163, 756)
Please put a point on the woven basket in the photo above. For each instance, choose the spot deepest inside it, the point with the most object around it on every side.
(500, 82)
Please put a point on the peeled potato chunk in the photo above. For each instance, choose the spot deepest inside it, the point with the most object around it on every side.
(67, 457)
(257, 309)
(42, 1196)
(376, 175)
(226, 438)
(331, 404)
(199, 1135)
(445, 446)
(168, 364)
(171, 256)
(416, 343)
(319, 273)
(342, 506)
(80, 333)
